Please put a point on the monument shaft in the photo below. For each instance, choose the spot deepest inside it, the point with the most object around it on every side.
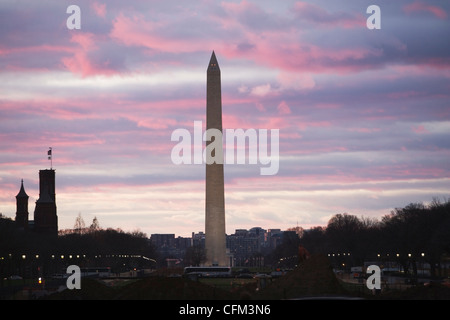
(215, 241)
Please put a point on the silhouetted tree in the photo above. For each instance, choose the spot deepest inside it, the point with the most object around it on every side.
(343, 234)
(418, 233)
(314, 240)
(79, 224)
(95, 226)
(286, 253)
(195, 256)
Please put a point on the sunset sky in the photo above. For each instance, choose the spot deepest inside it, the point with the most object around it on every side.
(363, 115)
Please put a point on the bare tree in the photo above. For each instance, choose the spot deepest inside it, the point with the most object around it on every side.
(95, 226)
(195, 255)
(79, 224)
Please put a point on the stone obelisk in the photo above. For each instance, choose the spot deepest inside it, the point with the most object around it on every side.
(215, 238)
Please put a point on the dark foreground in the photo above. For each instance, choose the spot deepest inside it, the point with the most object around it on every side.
(313, 278)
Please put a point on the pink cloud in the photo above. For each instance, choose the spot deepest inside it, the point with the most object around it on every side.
(283, 108)
(239, 8)
(232, 121)
(328, 106)
(270, 47)
(262, 90)
(403, 94)
(296, 81)
(81, 63)
(285, 52)
(166, 107)
(86, 40)
(423, 7)
(99, 9)
(319, 16)
(274, 122)
(364, 130)
(156, 123)
(420, 129)
(54, 108)
(137, 31)
(273, 48)
(36, 49)
(78, 63)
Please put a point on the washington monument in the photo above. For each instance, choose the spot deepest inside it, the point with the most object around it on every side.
(215, 241)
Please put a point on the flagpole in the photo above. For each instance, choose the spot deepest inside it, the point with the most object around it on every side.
(50, 157)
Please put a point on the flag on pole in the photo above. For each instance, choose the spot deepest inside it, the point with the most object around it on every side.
(49, 154)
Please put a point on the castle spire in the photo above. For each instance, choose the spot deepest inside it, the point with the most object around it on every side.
(22, 208)
(22, 193)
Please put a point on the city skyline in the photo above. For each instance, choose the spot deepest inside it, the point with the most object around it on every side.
(363, 115)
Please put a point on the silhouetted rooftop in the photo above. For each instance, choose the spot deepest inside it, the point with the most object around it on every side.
(22, 193)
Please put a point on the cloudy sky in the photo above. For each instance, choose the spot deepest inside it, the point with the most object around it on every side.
(363, 115)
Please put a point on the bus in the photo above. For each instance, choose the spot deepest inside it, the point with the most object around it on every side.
(208, 272)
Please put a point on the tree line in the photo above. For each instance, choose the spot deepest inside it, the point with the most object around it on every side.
(415, 233)
(28, 253)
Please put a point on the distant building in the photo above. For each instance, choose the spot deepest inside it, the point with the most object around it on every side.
(244, 247)
(169, 246)
(163, 240)
(22, 208)
(273, 238)
(45, 215)
(198, 239)
(248, 247)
